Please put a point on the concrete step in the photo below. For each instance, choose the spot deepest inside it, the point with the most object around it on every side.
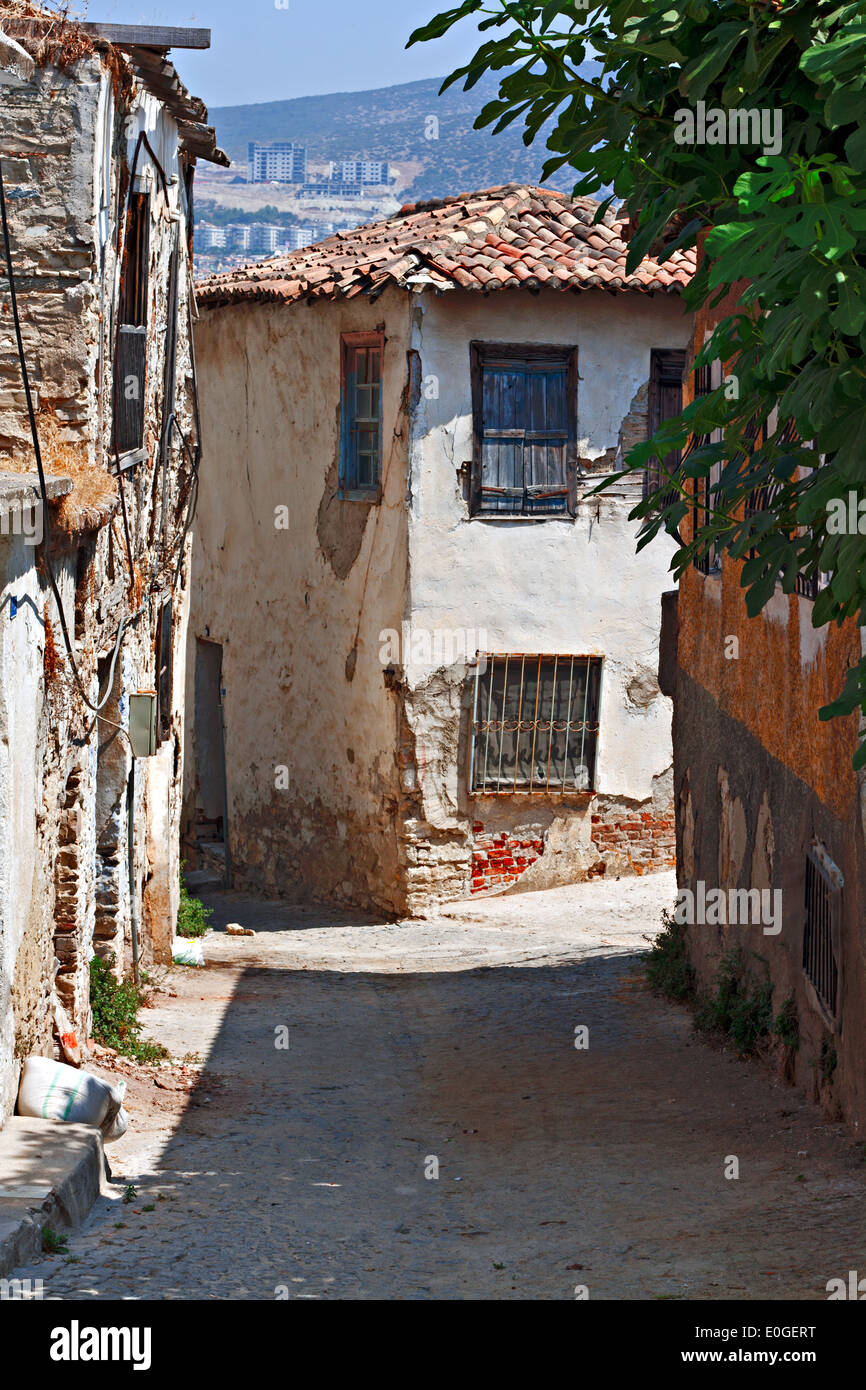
(50, 1175)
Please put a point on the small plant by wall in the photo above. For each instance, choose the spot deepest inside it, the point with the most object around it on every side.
(668, 968)
(741, 1007)
(115, 1004)
(787, 1025)
(193, 918)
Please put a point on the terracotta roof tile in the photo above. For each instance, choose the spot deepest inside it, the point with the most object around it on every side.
(491, 240)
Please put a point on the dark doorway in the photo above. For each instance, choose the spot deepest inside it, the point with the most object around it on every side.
(211, 814)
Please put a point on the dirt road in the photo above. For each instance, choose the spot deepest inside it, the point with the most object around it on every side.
(448, 1046)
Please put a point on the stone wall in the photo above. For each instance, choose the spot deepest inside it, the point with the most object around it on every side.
(66, 141)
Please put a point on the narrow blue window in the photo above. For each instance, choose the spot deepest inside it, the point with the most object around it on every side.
(361, 415)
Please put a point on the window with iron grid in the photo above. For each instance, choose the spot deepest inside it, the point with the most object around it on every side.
(823, 898)
(665, 402)
(534, 723)
(761, 499)
(525, 429)
(703, 563)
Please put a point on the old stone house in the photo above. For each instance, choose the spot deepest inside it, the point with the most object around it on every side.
(422, 658)
(769, 810)
(98, 144)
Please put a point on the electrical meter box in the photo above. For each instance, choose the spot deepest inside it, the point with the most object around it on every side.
(142, 723)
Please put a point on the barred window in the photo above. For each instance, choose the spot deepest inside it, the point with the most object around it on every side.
(534, 723)
(665, 402)
(821, 934)
(707, 379)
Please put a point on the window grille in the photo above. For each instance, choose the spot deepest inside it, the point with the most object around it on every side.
(665, 402)
(534, 723)
(823, 899)
(703, 563)
(164, 671)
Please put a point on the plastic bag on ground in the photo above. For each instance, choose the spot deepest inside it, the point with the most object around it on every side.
(118, 1127)
(186, 950)
(51, 1090)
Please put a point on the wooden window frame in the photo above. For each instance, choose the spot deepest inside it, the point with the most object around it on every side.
(481, 351)
(349, 488)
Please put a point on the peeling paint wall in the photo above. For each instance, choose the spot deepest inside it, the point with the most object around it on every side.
(66, 142)
(298, 600)
(759, 780)
(556, 586)
(346, 748)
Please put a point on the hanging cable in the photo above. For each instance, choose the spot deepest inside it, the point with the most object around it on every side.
(46, 538)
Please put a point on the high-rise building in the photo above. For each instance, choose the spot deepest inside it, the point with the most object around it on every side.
(359, 171)
(238, 236)
(298, 237)
(210, 237)
(266, 238)
(281, 162)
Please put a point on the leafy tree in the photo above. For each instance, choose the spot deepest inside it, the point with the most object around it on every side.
(782, 224)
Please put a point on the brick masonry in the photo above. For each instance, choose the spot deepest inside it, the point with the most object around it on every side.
(642, 841)
(499, 859)
(622, 841)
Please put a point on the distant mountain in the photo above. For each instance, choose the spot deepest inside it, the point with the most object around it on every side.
(393, 123)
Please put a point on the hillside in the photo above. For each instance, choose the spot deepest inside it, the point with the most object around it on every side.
(390, 123)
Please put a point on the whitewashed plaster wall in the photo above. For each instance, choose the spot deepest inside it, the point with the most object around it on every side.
(553, 586)
(298, 608)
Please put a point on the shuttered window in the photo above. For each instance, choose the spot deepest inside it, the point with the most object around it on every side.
(131, 353)
(525, 429)
(361, 414)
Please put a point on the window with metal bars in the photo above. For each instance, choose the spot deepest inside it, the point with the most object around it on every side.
(665, 402)
(524, 413)
(361, 414)
(534, 723)
(808, 583)
(821, 933)
(704, 384)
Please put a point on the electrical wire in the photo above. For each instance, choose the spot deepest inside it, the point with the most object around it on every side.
(34, 432)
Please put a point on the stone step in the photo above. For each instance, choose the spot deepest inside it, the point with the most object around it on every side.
(50, 1175)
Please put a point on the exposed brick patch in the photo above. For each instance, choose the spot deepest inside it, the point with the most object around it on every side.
(643, 840)
(499, 859)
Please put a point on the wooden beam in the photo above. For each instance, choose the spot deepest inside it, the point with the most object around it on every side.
(148, 36)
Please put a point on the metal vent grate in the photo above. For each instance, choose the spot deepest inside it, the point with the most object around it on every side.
(823, 897)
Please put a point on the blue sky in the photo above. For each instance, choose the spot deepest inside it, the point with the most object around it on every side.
(262, 53)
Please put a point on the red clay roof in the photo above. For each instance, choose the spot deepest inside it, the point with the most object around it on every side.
(503, 238)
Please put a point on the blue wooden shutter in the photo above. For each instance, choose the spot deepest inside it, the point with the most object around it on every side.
(503, 422)
(546, 440)
(524, 437)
